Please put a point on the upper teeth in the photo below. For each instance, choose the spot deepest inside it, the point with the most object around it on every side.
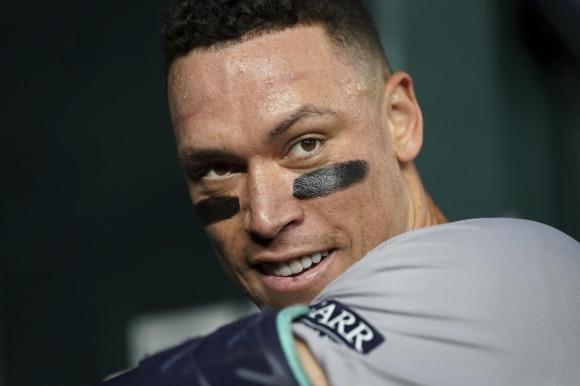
(294, 266)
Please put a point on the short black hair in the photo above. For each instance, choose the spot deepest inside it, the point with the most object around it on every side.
(190, 24)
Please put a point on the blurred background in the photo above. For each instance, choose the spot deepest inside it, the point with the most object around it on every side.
(97, 234)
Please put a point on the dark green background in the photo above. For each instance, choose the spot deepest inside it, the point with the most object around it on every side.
(95, 221)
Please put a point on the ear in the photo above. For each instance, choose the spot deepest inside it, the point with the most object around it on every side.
(404, 116)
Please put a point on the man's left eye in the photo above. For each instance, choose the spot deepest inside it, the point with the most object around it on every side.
(304, 147)
(217, 170)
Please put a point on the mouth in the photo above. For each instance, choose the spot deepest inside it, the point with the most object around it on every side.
(296, 266)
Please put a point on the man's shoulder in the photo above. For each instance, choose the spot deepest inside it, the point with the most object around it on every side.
(480, 227)
(455, 296)
(483, 235)
(493, 249)
(507, 225)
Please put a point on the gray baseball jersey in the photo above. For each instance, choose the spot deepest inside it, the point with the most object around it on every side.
(475, 302)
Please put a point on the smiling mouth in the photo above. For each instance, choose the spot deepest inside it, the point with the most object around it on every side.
(295, 266)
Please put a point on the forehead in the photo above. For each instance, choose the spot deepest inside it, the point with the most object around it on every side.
(259, 79)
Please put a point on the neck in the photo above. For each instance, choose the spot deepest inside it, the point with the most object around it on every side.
(423, 210)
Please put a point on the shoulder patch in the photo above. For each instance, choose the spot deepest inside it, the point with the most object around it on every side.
(342, 325)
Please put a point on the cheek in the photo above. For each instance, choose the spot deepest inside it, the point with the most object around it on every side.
(391, 203)
(228, 247)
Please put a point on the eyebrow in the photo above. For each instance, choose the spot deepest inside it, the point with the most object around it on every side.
(191, 155)
(305, 111)
(188, 155)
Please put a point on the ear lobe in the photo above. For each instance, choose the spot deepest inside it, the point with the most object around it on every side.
(404, 117)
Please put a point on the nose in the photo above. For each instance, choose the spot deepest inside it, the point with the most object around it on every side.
(270, 206)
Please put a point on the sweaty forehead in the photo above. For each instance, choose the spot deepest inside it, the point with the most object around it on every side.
(259, 56)
(255, 67)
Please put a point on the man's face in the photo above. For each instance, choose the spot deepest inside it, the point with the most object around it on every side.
(289, 162)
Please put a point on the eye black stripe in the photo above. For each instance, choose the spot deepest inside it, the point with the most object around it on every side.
(329, 179)
(217, 209)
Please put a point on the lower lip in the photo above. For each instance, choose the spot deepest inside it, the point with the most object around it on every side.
(303, 280)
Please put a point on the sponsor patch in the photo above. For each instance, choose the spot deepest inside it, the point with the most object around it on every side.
(342, 325)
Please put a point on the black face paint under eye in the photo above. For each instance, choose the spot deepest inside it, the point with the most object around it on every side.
(329, 179)
(217, 209)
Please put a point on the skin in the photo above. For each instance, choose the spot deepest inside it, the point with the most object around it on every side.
(240, 116)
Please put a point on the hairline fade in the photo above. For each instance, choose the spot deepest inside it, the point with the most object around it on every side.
(216, 24)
